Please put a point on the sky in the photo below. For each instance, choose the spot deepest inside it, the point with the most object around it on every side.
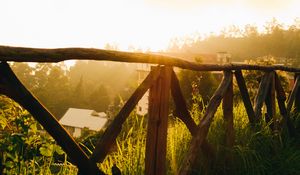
(128, 24)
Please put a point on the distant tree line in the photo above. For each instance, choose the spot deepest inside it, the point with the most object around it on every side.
(100, 86)
(276, 40)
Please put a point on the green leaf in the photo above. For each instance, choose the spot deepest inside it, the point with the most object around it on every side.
(3, 122)
(9, 164)
(46, 151)
(58, 150)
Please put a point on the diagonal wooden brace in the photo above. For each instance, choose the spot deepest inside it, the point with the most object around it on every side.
(109, 136)
(13, 88)
(262, 94)
(183, 114)
(189, 161)
(294, 96)
(281, 98)
(245, 96)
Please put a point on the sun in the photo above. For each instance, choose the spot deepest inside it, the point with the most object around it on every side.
(131, 25)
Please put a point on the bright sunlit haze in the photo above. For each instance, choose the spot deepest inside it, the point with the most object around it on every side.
(132, 24)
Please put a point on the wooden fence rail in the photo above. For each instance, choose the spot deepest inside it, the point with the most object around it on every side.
(161, 81)
(21, 54)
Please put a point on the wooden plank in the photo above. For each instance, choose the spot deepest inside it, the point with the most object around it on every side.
(158, 124)
(261, 95)
(227, 106)
(153, 111)
(293, 94)
(270, 103)
(297, 99)
(14, 89)
(109, 136)
(245, 95)
(189, 161)
(22, 54)
(183, 114)
(281, 98)
(181, 110)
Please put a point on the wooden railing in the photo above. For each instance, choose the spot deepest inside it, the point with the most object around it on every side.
(161, 81)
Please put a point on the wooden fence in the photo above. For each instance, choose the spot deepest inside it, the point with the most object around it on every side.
(162, 82)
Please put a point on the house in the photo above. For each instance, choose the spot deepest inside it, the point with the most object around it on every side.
(142, 106)
(75, 120)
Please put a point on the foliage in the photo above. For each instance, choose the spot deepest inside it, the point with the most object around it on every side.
(84, 85)
(277, 40)
(196, 82)
(25, 148)
(255, 151)
(253, 77)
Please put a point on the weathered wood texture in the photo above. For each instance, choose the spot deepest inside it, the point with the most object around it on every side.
(156, 142)
(21, 54)
(13, 88)
(281, 98)
(245, 95)
(297, 99)
(109, 136)
(262, 94)
(181, 111)
(227, 106)
(271, 105)
(294, 94)
(188, 164)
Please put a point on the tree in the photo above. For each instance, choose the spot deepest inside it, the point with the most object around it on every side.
(253, 77)
(196, 82)
(25, 73)
(99, 99)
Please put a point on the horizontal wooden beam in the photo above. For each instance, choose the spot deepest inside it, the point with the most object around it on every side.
(22, 54)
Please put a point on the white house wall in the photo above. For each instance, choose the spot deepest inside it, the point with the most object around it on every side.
(77, 132)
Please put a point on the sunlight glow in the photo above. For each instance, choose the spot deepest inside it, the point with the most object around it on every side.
(130, 25)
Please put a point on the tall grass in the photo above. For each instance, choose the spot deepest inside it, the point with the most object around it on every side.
(129, 152)
(255, 152)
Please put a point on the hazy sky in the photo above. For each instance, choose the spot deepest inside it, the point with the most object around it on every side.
(140, 23)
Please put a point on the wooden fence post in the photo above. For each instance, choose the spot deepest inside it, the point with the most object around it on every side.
(270, 103)
(156, 142)
(227, 106)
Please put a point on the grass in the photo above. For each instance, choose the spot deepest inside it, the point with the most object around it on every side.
(256, 152)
